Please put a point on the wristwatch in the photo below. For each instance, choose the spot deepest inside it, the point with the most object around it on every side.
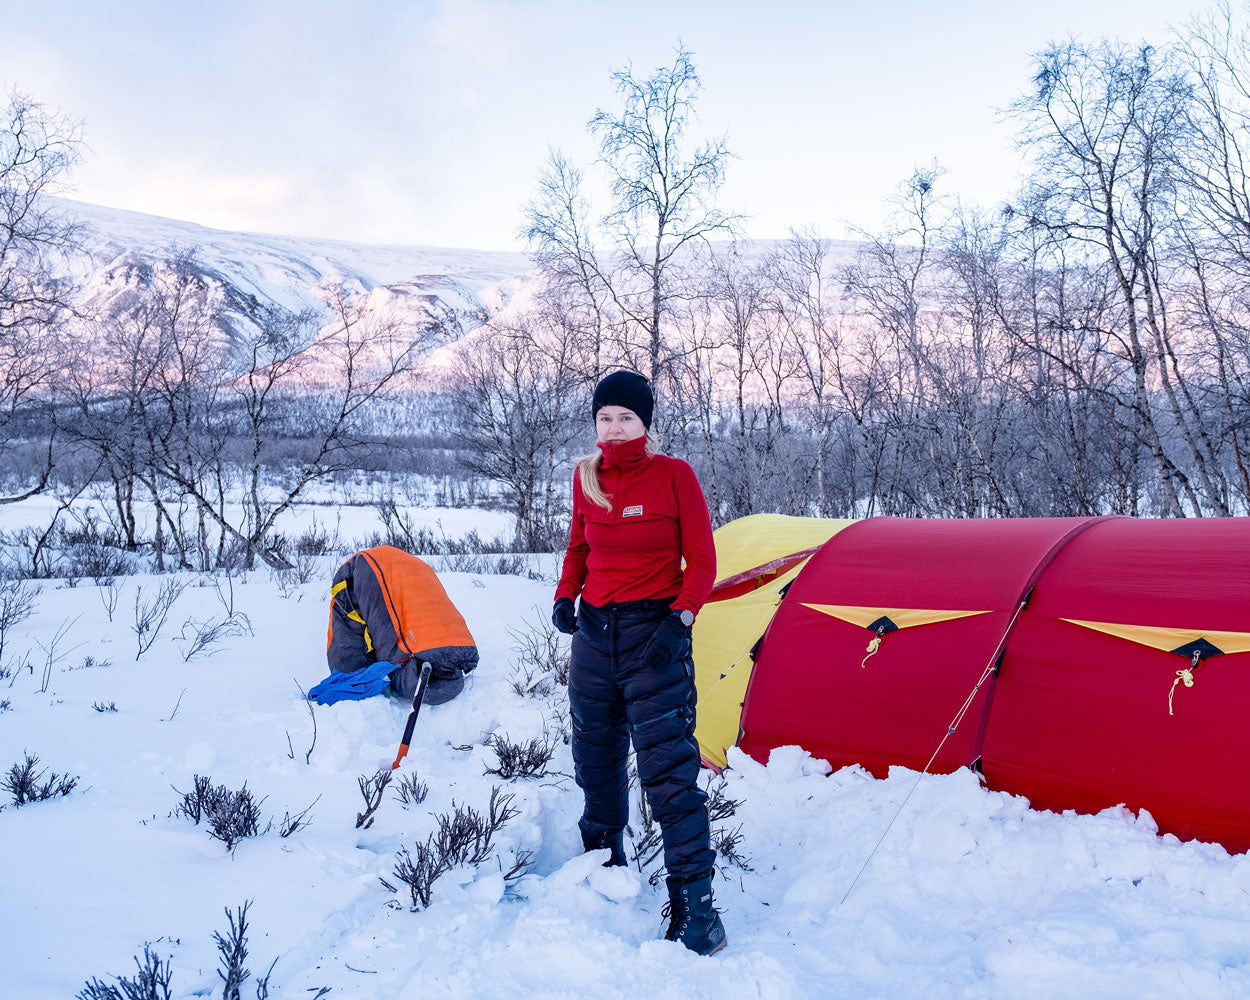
(687, 617)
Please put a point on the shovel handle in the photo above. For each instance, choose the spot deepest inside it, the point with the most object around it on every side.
(417, 697)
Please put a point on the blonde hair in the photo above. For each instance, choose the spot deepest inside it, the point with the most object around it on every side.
(588, 473)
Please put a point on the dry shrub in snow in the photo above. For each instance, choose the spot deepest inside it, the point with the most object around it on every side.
(485, 564)
(110, 593)
(89, 662)
(199, 637)
(150, 616)
(17, 603)
(371, 790)
(464, 837)
(725, 841)
(232, 947)
(231, 816)
(25, 783)
(152, 982)
(521, 760)
(526, 683)
(542, 658)
(53, 654)
(297, 822)
(648, 841)
(93, 559)
(558, 721)
(303, 569)
(315, 540)
(411, 790)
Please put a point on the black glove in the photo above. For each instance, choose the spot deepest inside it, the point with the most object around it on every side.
(563, 617)
(670, 640)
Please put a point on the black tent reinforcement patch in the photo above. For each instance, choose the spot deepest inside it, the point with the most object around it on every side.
(1198, 647)
(883, 625)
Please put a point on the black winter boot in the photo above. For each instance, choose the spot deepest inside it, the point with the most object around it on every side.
(615, 842)
(693, 919)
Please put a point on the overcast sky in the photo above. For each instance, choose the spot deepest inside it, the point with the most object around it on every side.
(414, 122)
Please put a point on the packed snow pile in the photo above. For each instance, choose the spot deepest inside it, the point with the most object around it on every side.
(966, 893)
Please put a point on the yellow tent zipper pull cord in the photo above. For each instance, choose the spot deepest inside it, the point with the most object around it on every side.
(873, 646)
(1185, 677)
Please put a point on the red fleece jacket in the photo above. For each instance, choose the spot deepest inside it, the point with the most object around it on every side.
(634, 551)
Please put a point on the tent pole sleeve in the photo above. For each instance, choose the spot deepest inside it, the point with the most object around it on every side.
(1026, 593)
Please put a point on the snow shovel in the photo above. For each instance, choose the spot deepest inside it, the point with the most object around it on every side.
(417, 696)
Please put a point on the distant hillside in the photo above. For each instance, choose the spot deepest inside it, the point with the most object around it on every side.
(446, 293)
(454, 290)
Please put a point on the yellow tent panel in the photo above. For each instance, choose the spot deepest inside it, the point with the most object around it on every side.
(748, 549)
(1168, 639)
(901, 617)
(760, 539)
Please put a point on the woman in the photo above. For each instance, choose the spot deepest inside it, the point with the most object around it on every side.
(636, 514)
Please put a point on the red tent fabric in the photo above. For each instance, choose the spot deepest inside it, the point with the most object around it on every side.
(1081, 716)
(881, 640)
(950, 587)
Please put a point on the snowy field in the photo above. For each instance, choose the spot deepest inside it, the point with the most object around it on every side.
(971, 894)
(322, 510)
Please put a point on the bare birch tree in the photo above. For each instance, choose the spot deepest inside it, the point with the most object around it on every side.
(38, 147)
(524, 390)
(627, 266)
(1104, 122)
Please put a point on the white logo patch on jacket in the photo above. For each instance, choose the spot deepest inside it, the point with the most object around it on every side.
(633, 511)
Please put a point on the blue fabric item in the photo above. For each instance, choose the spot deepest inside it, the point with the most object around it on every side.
(353, 686)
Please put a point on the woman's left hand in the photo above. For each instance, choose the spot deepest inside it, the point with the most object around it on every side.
(669, 641)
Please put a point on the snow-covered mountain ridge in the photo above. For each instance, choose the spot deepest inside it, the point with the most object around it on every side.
(437, 295)
(455, 289)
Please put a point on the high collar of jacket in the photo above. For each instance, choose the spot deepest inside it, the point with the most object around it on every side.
(625, 455)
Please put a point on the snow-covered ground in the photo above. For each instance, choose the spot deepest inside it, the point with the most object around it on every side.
(349, 524)
(970, 894)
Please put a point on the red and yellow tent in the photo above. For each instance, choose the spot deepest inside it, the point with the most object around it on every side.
(757, 557)
(1080, 662)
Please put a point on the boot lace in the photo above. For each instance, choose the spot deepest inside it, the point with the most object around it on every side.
(675, 913)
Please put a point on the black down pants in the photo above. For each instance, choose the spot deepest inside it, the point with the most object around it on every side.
(613, 698)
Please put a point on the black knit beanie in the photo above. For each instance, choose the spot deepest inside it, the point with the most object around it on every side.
(627, 389)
